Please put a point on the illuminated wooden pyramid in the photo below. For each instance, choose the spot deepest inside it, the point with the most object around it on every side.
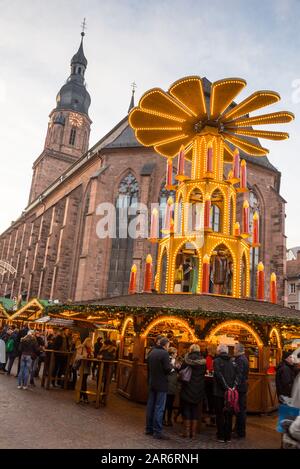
(205, 250)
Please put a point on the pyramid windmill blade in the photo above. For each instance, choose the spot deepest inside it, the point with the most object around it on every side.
(140, 119)
(259, 133)
(280, 117)
(152, 137)
(172, 148)
(244, 145)
(161, 103)
(223, 93)
(255, 101)
(189, 91)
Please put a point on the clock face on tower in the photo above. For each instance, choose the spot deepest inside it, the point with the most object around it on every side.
(75, 119)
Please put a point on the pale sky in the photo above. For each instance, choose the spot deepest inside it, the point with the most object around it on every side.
(154, 43)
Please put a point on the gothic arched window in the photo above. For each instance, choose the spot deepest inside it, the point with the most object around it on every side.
(121, 257)
(254, 252)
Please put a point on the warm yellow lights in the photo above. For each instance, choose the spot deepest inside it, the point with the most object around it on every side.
(149, 259)
(277, 335)
(134, 268)
(125, 324)
(206, 259)
(238, 323)
(169, 120)
(260, 267)
(273, 277)
(171, 319)
(180, 122)
(256, 216)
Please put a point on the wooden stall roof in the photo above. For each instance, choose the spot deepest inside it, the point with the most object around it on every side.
(212, 306)
(31, 310)
(3, 311)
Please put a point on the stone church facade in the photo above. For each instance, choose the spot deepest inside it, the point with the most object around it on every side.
(54, 245)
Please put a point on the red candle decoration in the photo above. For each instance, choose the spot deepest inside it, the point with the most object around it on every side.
(148, 275)
(243, 177)
(168, 215)
(132, 280)
(169, 175)
(209, 159)
(154, 226)
(255, 234)
(205, 274)
(245, 232)
(207, 206)
(260, 281)
(236, 166)
(237, 229)
(273, 288)
(171, 225)
(180, 166)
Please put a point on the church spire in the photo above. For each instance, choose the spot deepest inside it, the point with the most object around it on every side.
(74, 95)
(79, 58)
(131, 105)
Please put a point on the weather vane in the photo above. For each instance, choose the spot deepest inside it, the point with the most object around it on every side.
(133, 86)
(84, 27)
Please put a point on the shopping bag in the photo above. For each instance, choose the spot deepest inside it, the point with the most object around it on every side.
(286, 411)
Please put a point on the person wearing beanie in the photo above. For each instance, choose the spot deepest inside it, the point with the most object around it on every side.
(159, 366)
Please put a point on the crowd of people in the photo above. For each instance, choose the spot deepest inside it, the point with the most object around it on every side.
(29, 347)
(213, 383)
(218, 383)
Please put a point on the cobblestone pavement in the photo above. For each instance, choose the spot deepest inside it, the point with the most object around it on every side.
(36, 418)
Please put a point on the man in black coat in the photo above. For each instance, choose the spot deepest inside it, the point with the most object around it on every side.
(242, 365)
(159, 366)
(285, 376)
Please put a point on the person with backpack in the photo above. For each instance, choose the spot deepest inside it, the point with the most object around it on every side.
(225, 393)
(12, 350)
(242, 365)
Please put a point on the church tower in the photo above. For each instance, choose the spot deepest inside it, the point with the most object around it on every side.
(68, 128)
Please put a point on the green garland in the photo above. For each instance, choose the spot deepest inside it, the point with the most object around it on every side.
(151, 313)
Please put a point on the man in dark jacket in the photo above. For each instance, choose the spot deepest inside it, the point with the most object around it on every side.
(225, 377)
(60, 344)
(159, 366)
(242, 365)
(285, 376)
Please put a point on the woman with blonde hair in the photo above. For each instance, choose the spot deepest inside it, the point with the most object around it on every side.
(192, 389)
(85, 350)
